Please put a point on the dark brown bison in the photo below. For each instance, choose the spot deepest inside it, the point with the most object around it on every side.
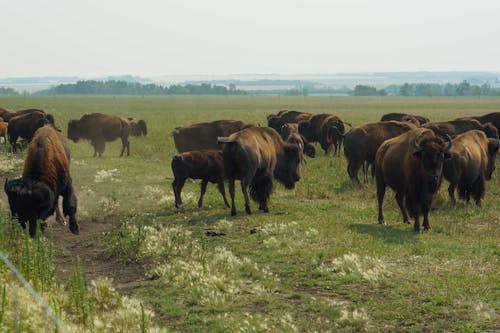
(45, 177)
(471, 162)
(361, 144)
(138, 128)
(287, 129)
(290, 133)
(25, 125)
(493, 118)
(203, 136)
(286, 116)
(99, 128)
(6, 114)
(412, 165)
(414, 119)
(256, 156)
(206, 165)
(325, 128)
(455, 127)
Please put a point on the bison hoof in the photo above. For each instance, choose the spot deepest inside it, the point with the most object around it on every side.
(75, 230)
(381, 222)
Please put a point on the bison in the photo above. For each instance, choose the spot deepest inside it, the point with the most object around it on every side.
(471, 162)
(493, 118)
(361, 144)
(46, 176)
(256, 156)
(25, 125)
(456, 127)
(412, 165)
(99, 128)
(325, 128)
(138, 128)
(414, 119)
(206, 165)
(290, 133)
(286, 116)
(203, 136)
(3, 131)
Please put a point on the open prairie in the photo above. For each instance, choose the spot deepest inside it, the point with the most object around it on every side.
(318, 261)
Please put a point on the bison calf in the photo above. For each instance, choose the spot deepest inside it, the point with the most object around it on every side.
(206, 165)
(471, 162)
(46, 175)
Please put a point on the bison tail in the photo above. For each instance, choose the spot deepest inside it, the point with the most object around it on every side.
(261, 188)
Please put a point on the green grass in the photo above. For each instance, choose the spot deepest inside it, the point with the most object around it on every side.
(318, 261)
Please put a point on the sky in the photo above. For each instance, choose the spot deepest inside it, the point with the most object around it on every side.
(90, 38)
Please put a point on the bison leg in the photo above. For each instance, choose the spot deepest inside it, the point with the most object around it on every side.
(416, 226)
(69, 208)
(244, 189)
(426, 224)
(220, 186)
(203, 188)
(380, 199)
(32, 225)
(177, 185)
(125, 144)
(477, 190)
(59, 217)
(352, 170)
(399, 199)
(451, 192)
(231, 193)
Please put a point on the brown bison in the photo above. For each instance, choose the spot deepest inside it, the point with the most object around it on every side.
(206, 165)
(3, 131)
(25, 125)
(414, 119)
(493, 118)
(6, 114)
(138, 128)
(45, 177)
(99, 128)
(361, 144)
(456, 127)
(286, 116)
(325, 128)
(290, 133)
(471, 162)
(203, 136)
(412, 165)
(256, 156)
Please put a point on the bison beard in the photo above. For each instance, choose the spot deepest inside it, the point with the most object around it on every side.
(261, 188)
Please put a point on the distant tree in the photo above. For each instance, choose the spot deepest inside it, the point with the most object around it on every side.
(464, 88)
(8, 91)
(363, 90)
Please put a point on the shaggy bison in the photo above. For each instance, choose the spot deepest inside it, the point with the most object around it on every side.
(45, 177)
(256, 156)
(414, 119)
(99, 128)
(286, 116)
(412, 165)
(138, 128)
(325, 128)
(203, 136)
(493, 118)
(25, 125)
(456, 127)
(206, 165)
(471, 162)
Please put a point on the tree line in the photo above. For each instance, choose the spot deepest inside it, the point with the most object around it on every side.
(116, 87)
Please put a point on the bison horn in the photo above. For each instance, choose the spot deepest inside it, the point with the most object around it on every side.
(415, 143)
(349, 124)
(448, 138)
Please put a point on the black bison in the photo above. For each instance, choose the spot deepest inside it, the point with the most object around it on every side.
(138, 128)
(361, 144)
(412, 165)
(203, 136)
(206, 165)
(455, 127)
(471, 162)
(286, 116)
(414, 119)
(25, 125)
(256, 156)
(46, 176)
(325, 128)
(99, 128)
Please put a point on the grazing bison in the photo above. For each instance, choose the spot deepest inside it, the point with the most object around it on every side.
(414, 119)
(412, 165)
(45, 177)
(256, 156)
(3, 131)
(206, 165)
(455, 127)
(325, 128)
(493, 118)
(361, 144)
(287, 129)
(99, 128)
(471, 162)
(305, 147)
(25, 125)
(6, 114)
(286, 116)
(203, 136)
(138, 128)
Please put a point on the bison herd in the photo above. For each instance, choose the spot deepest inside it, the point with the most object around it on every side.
(406, 152)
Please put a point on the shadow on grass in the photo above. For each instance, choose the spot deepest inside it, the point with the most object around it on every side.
(387, 233)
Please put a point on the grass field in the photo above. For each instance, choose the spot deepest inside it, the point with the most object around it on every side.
(318, 261)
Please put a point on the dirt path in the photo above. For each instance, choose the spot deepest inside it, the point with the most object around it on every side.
(95, 261)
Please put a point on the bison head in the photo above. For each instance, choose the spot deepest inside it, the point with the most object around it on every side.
(431, 151)
(287, 169)
(29, 200)
(490, 130)
(74, 130)
(306, 130)
(493, 146)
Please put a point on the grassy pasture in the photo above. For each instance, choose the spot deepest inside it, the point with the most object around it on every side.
(318, 261)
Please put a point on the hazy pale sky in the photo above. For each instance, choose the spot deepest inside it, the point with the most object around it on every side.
(171, 37)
